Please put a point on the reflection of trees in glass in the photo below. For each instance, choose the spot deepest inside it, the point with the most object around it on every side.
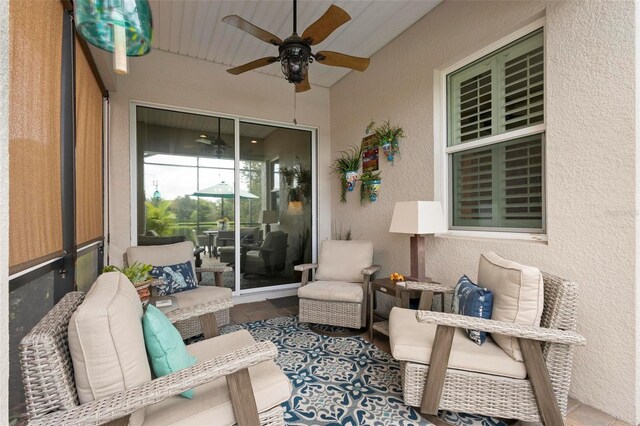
(251, 176)
(160, 218)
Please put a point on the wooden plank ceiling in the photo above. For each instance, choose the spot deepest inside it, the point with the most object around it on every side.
(194, 28)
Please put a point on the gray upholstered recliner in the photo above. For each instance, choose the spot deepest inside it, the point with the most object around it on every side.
(270, 258)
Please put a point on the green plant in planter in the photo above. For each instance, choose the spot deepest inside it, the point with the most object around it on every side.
(298, 179)
(370, 186)
(136, 272)
(387, 137)
(346, 167)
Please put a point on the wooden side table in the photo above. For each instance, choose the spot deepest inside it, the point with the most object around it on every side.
(402, 295)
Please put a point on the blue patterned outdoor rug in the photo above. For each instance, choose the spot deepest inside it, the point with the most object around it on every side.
(340, 380)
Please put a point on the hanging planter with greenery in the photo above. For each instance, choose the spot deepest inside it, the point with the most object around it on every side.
(370, 188)
(346, 167)
(387, 137)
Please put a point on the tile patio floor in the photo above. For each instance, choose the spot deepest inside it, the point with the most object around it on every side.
(578, 414)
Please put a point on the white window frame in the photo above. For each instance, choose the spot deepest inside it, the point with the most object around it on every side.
(441, 166)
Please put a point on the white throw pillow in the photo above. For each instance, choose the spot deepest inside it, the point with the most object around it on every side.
(344, 260)
(106, 341)
(518, 296)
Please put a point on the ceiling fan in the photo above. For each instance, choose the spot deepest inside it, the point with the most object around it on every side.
(294, 53)
(216, 147)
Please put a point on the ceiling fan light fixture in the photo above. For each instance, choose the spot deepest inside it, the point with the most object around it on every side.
(294, 60)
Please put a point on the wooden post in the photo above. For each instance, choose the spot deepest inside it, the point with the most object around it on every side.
(437, 369)
(540, 382)
(242, 399)
(209, 325)
(218, 278)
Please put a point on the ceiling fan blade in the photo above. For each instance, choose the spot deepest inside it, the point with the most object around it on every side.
(341, 60)
(328, 23)
(262, 62)
(249, 28)
(304, 85)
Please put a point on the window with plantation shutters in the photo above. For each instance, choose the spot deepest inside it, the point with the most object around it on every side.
(495, 139)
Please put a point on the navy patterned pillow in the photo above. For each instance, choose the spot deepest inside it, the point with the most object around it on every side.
(473, 301)
(176, 278)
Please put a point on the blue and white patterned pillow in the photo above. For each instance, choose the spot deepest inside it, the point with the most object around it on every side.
(473, 301)
(177, 278)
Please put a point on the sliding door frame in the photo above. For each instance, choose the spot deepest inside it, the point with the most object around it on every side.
(237, 119)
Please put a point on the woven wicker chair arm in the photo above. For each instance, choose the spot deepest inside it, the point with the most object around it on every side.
(305, 266)
(197, 310)
(124, 403)
(550, 335)
(370, 270)
(220, 268)
(426, 286)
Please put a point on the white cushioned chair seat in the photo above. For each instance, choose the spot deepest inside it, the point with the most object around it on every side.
(332, 291)
(200, 295)
(412, 341)
(211, 404)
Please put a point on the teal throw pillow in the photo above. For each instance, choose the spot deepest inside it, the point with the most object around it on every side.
(166, 350)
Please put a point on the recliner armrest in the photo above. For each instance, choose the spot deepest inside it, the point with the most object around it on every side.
(542, 334)
(370, 270)
(126, 402)
(305, 267)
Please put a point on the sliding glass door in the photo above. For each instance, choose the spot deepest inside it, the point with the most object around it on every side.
(278, 168)
(241, 191)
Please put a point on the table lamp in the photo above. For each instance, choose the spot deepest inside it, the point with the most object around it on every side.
(417, 218)
(268, 217)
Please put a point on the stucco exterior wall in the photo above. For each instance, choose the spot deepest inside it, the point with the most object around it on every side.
(170, 79)
(591, 165)
(4, 209)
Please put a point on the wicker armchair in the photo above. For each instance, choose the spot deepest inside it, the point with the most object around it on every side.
(338, 296)
(211, 301)
(50, 390)
(540, 395)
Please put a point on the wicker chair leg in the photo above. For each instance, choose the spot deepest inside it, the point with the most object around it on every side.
(209, 325)
(242, 399)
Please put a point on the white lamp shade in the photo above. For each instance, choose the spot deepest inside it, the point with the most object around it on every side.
(418, 217)
(269, 216)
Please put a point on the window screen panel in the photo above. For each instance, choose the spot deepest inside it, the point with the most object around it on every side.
(89, 180)
(521, 74)
(473, 183)
(35, 204)
(500, 186)
(471, 104)
(521, 195)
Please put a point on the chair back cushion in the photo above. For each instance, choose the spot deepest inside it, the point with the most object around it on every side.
(518, 295)
(106, 340)
(344, 260)
(169, 254)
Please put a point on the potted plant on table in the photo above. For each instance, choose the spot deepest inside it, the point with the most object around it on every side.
(346, 167)
(138, 274)
(371, 182)
(387, 136)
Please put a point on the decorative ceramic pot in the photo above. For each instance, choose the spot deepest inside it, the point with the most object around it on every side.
(351, 177)
(388, 150)
(372, 188)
